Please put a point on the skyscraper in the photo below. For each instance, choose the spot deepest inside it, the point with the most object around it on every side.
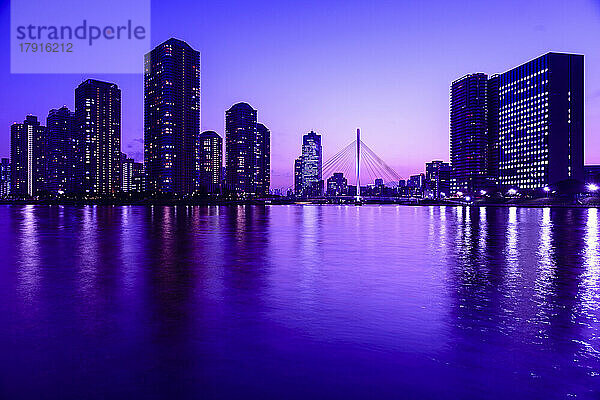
(126, 173)
(28, 157)
(247, 152)
(65, 152)
(262, 157)
(98, 119)
(210, 161)
(468, 132)
(540, 125)
(171, 117)
(493, 149)
(4, 177)
(311, 180)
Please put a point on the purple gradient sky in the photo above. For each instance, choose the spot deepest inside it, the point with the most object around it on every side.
(331, 66)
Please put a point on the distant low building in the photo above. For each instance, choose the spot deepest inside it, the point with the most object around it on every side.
(29, 163)
(437, 178)
(4, 177)
(591, 174)
(337, 185)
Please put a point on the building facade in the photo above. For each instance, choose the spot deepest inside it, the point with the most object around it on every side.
(210, 161)
(437, 178)
(98, 120)
(172, 117)
(262, 157)
(311, 179)
(337, 185)
(247, 152)
(28, 158)
(540, 125)
(4, 178)
(468, 132)
(65, 152)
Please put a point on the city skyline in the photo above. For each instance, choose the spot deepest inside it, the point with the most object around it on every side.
(406, 135)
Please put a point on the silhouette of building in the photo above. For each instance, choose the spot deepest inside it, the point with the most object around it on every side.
(311, 162)
(65, 148)
(4, 177)
(468, 132)
(337, 185)
(171, 117)
(540, 125)
(262, 155)
(437, 178)
(591, 174)
(247, 152)
(126, 173)
(28, 160)
(298, 176)
(210, 161)
(98, 119)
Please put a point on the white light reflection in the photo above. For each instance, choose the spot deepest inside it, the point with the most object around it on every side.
(591, 261)
(512, 253)
(28, 273)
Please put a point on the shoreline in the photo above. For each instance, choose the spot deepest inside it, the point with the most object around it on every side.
(296, 203)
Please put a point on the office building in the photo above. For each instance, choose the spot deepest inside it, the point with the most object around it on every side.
(540, 123)
(311, 163)
(28, 159)
(98, 119)
(437, 178)
(337, 185)
(247, 152)
(210, 161)
(172, 117)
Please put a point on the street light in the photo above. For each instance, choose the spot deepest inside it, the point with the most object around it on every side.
(512, 192)
(546, 189)
(468, 198)
(483, 192)
(592, 187)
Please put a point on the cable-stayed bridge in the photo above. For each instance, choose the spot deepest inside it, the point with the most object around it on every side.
(360, 165)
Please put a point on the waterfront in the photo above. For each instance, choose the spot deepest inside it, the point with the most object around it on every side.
(299, 302)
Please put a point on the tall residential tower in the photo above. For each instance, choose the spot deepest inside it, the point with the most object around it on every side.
(171, 117)
(247, 152)
(98, 119)
(28, 158)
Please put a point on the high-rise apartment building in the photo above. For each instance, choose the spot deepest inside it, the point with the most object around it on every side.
(172, 117)
(210, 161)
(247, 152)
(98, 120)
(28, 158)
(468, 132)
(65, 152)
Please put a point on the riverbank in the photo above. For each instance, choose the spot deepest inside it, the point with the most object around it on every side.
(514, 202)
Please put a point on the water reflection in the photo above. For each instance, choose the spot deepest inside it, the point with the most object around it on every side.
(216, 301)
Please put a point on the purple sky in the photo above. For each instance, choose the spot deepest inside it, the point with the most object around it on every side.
(333, 66)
